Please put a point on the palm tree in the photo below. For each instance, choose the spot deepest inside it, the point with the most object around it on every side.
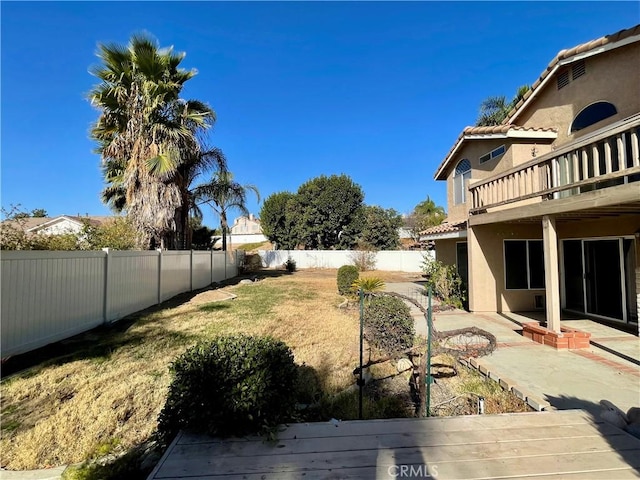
(494, 110)
(192, 167)
(222, 193)
(430, 213)
(144, 131)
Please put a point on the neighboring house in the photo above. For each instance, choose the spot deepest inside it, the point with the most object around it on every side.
(60, 225)
(544, 210)
(246, 229)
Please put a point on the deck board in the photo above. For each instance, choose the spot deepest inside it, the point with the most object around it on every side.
(546, 445)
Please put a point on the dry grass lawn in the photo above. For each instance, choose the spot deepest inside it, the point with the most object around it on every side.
(104, 394)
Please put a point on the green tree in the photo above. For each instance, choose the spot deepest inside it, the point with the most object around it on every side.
(144, 131)
(117, 233)
(328, 212)
(222, 194)
(203, 238)
(381, 226)
(38, 213)
(424, 215)
(277, 222)
(494, 110)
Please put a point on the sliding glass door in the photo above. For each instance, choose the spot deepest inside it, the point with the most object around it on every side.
(598, 277)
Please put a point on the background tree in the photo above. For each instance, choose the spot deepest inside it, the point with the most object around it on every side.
(117, 233)
(203, 237)
(380, 229)
(38, 213)
(424, 215)
(223, 194)
(277, 222)
(144, 131)
(494, 110)
(328, 212)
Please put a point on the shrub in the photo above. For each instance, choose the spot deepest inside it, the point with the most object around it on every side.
(290, 265)
(233, 385)
(368, 284)
(364, 260)
(252, 262)
(388, 324)
(444, 281)
(347, 274)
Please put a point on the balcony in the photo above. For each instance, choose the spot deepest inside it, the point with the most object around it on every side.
(606, 158)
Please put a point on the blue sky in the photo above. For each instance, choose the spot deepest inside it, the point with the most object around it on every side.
(378, 91)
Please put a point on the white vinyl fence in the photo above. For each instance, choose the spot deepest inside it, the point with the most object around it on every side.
(48, 296)
(390, 260)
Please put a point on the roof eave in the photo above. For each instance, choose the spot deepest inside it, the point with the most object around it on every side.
(443, 236)
(511, 133)
(561, 63)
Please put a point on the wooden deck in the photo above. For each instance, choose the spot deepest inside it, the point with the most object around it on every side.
(560, 444)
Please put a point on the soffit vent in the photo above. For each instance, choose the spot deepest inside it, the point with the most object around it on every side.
(563, 79)
(578, 70)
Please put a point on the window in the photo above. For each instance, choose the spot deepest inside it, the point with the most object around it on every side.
(523, 264)
(493, 154)
(593, 114)
(462, 174)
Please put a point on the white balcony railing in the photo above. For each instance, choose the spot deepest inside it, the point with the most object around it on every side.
(603, 159)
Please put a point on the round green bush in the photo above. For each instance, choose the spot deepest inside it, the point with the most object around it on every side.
(388, 324)
(233, 385)
(347, 274)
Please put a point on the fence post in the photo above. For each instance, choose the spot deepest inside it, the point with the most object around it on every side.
(211, 265)
(107, 269)
(159, 250)
(191, 266)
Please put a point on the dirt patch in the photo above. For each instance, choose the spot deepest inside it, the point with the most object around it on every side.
(208, 296)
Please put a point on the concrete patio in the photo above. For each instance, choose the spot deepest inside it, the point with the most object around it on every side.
(553, 379)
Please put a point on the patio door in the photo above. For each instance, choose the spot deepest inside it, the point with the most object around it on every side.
(598, 277)
(603, 279)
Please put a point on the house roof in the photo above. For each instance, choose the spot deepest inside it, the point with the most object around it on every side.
(33, 224)
(445, 230)
(489, 132)
(79, 220)
(564, 57)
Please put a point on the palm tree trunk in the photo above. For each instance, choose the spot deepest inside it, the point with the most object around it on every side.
(224, 226)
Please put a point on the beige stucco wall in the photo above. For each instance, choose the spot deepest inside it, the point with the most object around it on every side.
(486, 257)
(446, 250)
(611, 76)
(518, 151)
(486, 268)
(606, 227)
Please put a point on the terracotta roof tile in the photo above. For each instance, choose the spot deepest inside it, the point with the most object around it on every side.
(570, 52)
(445, 228)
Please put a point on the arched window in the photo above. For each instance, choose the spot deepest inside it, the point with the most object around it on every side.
(593, 114)
(462, 174)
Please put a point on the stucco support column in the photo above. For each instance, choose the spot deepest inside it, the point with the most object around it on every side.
(551, 277)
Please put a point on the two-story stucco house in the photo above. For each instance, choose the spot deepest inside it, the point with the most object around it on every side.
(544, 209)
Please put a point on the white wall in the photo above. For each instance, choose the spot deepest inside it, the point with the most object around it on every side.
(48, 296)
(241, 239)
(64, 226)
(390, 260)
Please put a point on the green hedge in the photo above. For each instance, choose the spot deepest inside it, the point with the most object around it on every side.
(232, 385)
(347, 274)
(388, 324)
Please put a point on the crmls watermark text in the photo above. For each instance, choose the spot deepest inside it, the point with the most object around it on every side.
(413, 471)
